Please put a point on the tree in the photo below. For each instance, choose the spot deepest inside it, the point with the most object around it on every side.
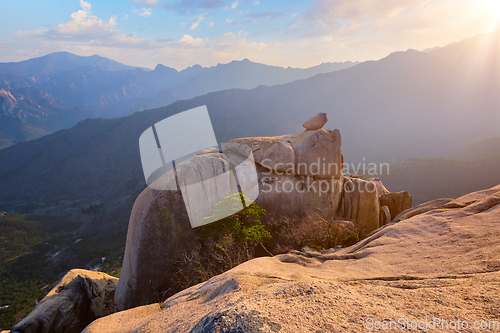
(232, 240)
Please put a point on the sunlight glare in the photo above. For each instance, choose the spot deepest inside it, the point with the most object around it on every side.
(493, 8)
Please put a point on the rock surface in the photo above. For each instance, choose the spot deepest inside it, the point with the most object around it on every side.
(396, 202)
(385, 216)
(316, 122)
(443, 263)
(423, 208)
(360, 204)
(297, 174)
(311, 153)
(158, 226)
(79, 298)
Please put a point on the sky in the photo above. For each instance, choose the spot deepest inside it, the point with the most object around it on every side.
(182, 33)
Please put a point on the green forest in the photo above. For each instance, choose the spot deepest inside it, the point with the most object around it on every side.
(29, 247)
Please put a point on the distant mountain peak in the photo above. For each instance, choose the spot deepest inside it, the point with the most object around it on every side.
(53, 63)
(161, 67)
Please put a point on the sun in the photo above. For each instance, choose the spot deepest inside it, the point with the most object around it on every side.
(492, 9)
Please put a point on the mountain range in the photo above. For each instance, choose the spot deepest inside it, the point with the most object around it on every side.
(53, 92)
(408, 105)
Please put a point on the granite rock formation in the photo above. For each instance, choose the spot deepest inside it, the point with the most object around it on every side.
(79, 298)
(297, 174)
(439, 263)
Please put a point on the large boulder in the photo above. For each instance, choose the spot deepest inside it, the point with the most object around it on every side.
(397, 202)
(79, 298)
(316, 122)
(311, 153)
(158, 226)
(443, 261)
(296, 175)
(293, 195)
(360, 204)
(162, 217)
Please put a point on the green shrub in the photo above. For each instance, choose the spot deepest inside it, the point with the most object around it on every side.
(221, 246)
(350, 240)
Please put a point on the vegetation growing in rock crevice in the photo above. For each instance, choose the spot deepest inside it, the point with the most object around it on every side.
(220, 245)
(239, 237)
(235, 236)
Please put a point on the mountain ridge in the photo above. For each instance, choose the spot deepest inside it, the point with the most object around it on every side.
(70, 88)
(46, 65)
(384, 116)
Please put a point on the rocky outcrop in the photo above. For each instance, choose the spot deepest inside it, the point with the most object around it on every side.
(360, 204)
(444, 262)
(79, 298)
(296, 175)
(422, 208)
(396, 202)
(158, 226)
(385, 216)
(310, 153)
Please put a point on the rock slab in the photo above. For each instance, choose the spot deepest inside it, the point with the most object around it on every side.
(79, 298)
(443, 262)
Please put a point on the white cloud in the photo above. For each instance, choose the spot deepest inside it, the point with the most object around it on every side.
(83, 23)
(187, 40)
(211, 25)
(294, 14)
(84, 27)
(331, 30)
(256, 2)
(85, 5)
(195, 23)
(234, 5)
(146, 12)
(146, 3)
(360, 16)
(28, 34)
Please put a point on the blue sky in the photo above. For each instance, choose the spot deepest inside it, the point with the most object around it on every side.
(182, 33)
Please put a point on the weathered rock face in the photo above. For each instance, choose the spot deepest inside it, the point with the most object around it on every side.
(316, 122)
(385, 215)
(158, 226)
(380, 187)
(423, 208)
(311, 153)
(360, 204)
(396, 202)
(297, 174)
(78, 299)
(444, 261)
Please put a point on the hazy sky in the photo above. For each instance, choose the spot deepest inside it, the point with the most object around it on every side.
(285, 33)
